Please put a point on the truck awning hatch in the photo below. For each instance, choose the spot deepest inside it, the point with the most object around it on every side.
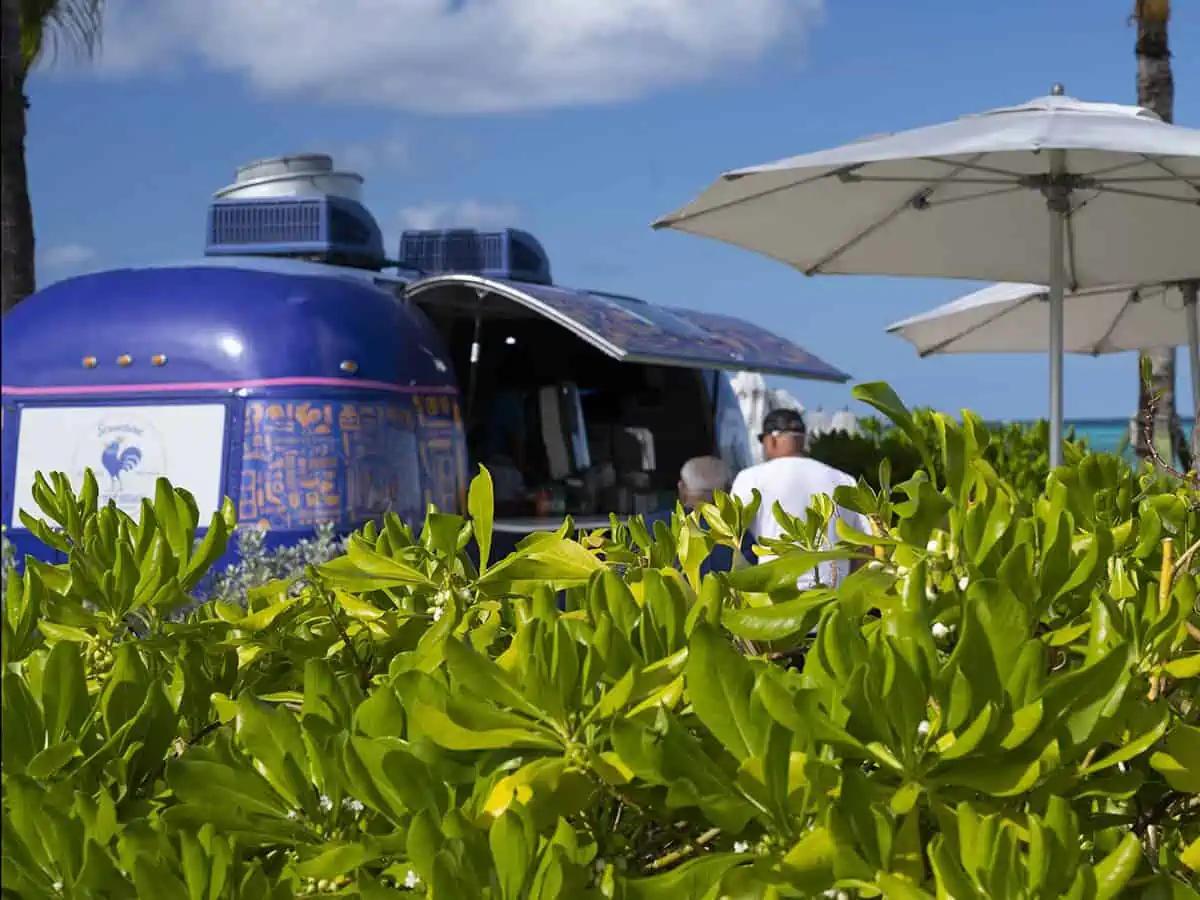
(631, 330)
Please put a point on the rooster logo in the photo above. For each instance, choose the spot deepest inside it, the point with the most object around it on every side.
(118, 459)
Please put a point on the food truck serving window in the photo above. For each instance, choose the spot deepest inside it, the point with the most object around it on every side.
(540, 365)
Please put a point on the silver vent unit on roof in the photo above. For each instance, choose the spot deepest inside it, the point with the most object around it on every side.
(298, 207)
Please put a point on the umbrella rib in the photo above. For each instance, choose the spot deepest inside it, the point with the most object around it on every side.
(846, 173)
(1144, 195)
(1147, 179)
(991, 320)
(1070, 243)
(902, 179)
(1074, 211)
(1099, 173)
(982, 195)
(991, 170)
(911, 202)
(1156, 161)
(668, 221)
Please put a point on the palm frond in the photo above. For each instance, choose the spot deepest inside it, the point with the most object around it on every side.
(50, 27)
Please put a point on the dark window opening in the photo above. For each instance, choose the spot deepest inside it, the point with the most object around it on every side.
(621, 402)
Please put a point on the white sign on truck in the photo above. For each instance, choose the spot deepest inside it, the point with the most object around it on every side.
(128, 448)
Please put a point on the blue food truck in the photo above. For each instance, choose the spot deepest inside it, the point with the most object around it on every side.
(298, 370)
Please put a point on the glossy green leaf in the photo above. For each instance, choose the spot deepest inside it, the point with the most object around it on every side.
(809, 863)
(274, 739)
(1183, 668)
(56, 631)
(65, 700)
(479, 674)
(1179, 760)
(776, 621)
(446, 732)
(783, 572)
(897, 888)
(49, 761)
(480, 504)
(215, 784)
(884, 399)
(1114, 872)
(552, 561)
(512, 853)
(334, 861)
(964, 744)
(721, 687)
(1133, 746)
(693, 880)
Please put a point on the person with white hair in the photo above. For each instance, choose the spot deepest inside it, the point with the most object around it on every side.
(699, 480)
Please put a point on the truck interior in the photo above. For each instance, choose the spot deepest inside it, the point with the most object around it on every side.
(601, 434)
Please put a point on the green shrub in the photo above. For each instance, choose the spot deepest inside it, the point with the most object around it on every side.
(257, 565)
(861, 455)
(999, 704)
(1020, 453)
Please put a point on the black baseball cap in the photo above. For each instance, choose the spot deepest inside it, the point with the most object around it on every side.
(782, 421)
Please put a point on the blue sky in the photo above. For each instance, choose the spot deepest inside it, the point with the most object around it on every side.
(582, 121)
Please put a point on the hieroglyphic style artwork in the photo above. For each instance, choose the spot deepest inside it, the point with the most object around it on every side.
(442, 450)
(306, 464)
(383, 474)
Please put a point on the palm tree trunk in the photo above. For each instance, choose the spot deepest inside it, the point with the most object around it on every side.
(1156, 91)
(17, 274)
(1191, 295)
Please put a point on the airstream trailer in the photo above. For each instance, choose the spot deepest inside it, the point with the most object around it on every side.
(298, 370)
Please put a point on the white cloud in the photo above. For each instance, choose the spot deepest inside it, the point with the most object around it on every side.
(392, 152)
(463, 214)
(66, 256)
(456, 56)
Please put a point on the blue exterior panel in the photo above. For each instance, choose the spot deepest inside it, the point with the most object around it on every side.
(341, 402)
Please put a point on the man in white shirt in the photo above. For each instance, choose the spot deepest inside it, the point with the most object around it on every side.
(793, 480)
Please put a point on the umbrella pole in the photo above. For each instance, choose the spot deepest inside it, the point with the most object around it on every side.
(1057, 203)
(1192, 307)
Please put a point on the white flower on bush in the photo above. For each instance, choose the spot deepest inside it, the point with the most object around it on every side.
(940, 631)
(740, 847)
(325, 803)
(963, 583)
(438, 607)
(411, 880)
(353, 805)
(923, 727)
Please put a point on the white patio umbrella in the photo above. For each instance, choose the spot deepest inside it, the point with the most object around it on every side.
(1056, 190)
(1014, 318)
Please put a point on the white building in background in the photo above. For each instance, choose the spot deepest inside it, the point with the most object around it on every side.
(757, 398)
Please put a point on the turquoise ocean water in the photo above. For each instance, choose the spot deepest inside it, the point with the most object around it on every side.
(1109, 435)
